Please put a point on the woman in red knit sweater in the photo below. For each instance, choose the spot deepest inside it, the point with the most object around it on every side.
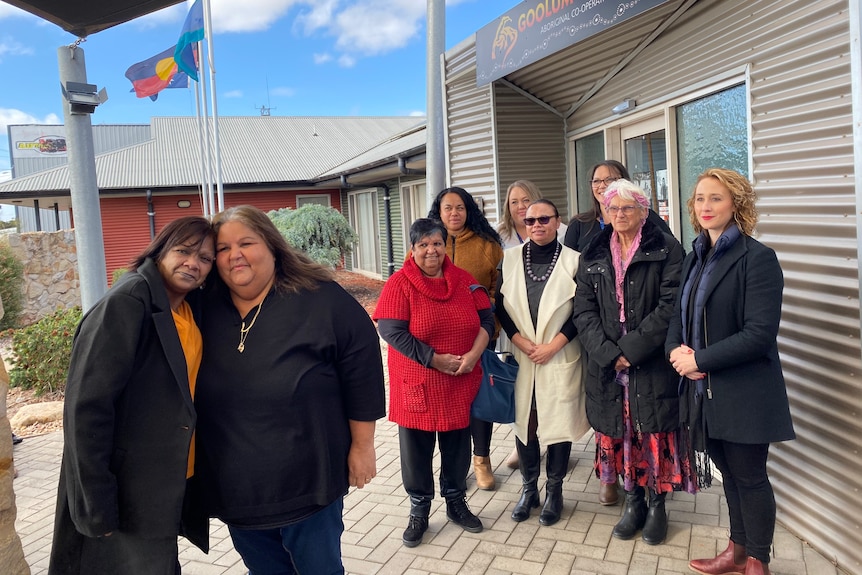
(433, 372)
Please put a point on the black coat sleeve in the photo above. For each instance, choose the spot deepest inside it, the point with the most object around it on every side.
(649, 336)
(102, 363)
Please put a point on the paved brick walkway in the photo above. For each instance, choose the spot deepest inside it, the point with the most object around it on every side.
(580, 544)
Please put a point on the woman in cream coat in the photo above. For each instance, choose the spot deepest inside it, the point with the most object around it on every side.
(534, 306)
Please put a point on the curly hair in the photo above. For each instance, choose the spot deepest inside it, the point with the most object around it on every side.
(475, 222)
(294, 271)
(741, 192)
(507, 226)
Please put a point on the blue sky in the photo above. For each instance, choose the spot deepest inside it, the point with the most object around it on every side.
(299, 57)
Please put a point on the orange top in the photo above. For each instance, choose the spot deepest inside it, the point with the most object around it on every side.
(193, 349)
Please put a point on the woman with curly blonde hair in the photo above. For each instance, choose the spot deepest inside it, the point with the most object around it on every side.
(722, 341)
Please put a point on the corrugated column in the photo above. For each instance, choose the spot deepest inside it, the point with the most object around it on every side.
(470, 133)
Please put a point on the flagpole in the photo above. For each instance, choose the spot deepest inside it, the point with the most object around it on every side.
(205, 133)
(204, 196)
(211, 61)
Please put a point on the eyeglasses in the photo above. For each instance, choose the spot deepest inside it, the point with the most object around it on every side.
(541, 219)
(606, 181)
(627, 210)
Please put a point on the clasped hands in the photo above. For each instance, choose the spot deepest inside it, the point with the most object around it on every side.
(539, 353)
(452, 364)
(682, 360)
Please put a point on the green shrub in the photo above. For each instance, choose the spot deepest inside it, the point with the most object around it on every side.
(321, 232)
(11, 287)
(41, 352)
(117, 274)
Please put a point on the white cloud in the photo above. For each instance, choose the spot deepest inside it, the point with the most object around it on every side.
(12, 116)
(5, 175)
(233, 94)
(346, 61)
(283, 91)
(249, 15)
(417, 113)
(7, 11)
(11, 47)
(365, 27)
(322, 58)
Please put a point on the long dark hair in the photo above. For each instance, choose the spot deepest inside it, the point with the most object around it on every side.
(188, 230)
(294, 271)
(475, 222)
(595, 210)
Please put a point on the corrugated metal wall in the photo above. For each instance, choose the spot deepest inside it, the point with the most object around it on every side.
(126, 226)
(798, 57)
(531, 145)
(470, 157)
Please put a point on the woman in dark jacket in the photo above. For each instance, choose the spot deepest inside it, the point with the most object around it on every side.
(129, 414)
(626, 287)
(722, 340)
(585, 227)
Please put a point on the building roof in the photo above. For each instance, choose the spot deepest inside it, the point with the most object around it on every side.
(254, 150)
(85, 18)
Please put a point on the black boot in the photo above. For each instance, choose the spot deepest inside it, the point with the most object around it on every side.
(459, 513)
(556, 466)
(420, 508)
(655, 528)
(634, 515)
(529, 457)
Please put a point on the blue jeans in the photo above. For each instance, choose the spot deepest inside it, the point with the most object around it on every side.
(310, 547)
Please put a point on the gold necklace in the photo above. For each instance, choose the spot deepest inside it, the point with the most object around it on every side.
(243, 331)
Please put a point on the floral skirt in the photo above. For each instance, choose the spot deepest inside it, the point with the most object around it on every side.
(652, 460)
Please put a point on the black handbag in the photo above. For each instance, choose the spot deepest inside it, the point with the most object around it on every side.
(496, 398)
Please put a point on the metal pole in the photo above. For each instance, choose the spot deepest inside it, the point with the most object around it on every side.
(216, 142)
(82, 185)
(434, 151)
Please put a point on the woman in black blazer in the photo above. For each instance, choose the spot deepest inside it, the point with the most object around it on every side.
(129, 414)
(722, 341)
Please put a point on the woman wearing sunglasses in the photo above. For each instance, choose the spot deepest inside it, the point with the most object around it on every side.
(627, 284)
(534, 306)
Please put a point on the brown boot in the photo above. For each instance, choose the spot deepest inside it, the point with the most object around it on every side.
(756, 567)
(512, 462)
(484, 475)
(731, 561)
(609, 493)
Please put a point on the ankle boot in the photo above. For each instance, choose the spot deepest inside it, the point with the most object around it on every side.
(484, 475)
(512, 462)
(634, 515)
(655, 527)
(556, 466)
(528, 456)
(756, 567)
(731, 561)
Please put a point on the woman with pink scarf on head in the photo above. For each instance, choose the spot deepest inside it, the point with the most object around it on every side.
(627, 283)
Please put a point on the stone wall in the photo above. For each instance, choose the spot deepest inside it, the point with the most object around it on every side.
(50, 271)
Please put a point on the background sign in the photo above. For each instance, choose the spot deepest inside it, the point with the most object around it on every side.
(37, 142)
(538, 28)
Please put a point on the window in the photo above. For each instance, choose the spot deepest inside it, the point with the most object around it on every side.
(711, 132)
(364, 219)
(414, 205)
(322, 199)
(589, 151)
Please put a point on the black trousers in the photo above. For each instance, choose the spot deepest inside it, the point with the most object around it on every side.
(417, 451)
(750, 500)
(481, 432)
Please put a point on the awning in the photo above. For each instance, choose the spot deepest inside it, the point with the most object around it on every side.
(88, 17)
